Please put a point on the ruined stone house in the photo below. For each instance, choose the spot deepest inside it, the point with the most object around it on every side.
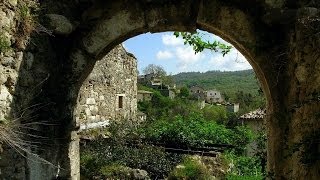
(144, 95)
(197, 92)
(110, 91)
(214, 96)
(232, 107)
(255, 120)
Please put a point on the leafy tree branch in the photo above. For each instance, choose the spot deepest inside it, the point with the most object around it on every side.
(199, 44)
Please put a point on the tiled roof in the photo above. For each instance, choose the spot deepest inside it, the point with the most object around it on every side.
(256, 114)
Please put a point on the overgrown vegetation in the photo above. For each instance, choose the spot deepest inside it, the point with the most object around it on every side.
(177, 123)
(26, 21)
(195, 131)
(243, 167)
(190, 169)
(104, 157)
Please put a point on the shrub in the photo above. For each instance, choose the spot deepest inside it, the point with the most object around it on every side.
(115, 171)
(194, 131)
(152, 159)
(103, 154)
(243, 167)
(190, 169)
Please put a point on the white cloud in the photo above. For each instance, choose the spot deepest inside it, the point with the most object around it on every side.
(186, 57)
(164, 55)
(171, 40)
(232, 61)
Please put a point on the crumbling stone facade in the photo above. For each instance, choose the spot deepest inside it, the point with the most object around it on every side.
(110, 91)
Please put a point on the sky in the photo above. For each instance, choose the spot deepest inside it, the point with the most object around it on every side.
(166, 50)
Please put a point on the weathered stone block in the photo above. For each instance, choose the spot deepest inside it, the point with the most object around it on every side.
(94, 110)
(60, 24)
(7, 61)
(91, 101)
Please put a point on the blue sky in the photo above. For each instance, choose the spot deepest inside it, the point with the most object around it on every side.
(168, 51)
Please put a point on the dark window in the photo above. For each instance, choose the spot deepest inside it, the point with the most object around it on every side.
(120, 102)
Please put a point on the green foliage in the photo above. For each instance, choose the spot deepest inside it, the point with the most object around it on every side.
(4, 44)
(105, 156)
(184, 92)
(199, 44)
(216, 113)
(115, 171)
(190, 169)
(168, 80)
(238, 177)
(101, 154)
(195, 131)
(176, 123)
(261, 151)
(243, 167)
(145, 88)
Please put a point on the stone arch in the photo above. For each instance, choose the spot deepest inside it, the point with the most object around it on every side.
(256, 33)
(228, 22)
(268, 33)
(112, 28)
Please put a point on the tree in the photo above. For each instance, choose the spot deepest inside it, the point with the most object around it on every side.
(184, 92)
(168, 80)
(196, 41)
(157, 70)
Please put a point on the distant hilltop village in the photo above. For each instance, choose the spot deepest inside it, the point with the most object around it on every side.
(196, 92)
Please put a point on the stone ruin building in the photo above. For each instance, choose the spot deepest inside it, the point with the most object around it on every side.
(110, 91)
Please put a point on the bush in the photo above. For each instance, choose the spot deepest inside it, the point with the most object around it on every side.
(105, 153)
(115, 171)
(215, 113)
(190, 169)
(243, 167)
(194, 131)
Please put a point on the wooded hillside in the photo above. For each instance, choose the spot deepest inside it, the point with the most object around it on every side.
(228, 82)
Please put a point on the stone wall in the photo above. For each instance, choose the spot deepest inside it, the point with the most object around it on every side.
(10, 61)
(112, 80)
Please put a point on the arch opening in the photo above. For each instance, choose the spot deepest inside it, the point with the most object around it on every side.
(105, 60)
(288, 74)
(103, 37)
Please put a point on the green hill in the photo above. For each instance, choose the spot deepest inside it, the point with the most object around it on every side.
(227, 82)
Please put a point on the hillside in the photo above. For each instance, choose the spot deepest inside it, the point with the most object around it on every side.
(228, 82)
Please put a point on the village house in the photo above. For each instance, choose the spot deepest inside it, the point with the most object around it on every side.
(150, 80)
(154, 82)
(110, 91)
(214, 96)
(144, 95)
(255, 121)
(168, 93)
(232, 107)
(197, 92)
